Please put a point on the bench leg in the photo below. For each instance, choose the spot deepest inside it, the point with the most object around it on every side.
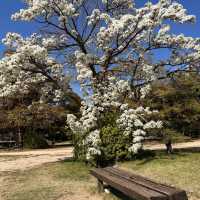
(100, 186)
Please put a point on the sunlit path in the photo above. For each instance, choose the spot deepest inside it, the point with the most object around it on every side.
(12, 161)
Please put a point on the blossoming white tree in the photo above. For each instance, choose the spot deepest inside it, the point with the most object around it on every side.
(111, 44)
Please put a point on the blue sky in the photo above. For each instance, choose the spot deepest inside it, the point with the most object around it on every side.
(8, 7)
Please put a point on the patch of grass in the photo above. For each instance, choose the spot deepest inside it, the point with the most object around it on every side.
(75, 171)
(34, 193)
(55, 181)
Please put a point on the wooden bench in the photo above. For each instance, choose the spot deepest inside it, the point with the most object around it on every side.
(136, 186)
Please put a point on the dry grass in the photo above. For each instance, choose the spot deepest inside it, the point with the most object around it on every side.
(55, 181)
(71, 180)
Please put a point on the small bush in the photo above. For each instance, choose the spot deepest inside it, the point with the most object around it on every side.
(79, 147)
(34, 141)
(114, 146)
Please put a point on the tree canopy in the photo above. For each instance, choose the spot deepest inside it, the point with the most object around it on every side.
(178, 102)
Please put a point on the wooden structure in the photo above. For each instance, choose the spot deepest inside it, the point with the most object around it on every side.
(135, 186)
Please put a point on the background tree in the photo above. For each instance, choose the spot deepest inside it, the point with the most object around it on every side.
(30, 123)
(178, 101)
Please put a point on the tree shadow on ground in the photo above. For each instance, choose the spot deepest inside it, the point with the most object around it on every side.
(119, 194)
(66, 159)
(147, 156)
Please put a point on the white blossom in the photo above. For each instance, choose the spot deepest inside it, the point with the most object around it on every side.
(145, 90)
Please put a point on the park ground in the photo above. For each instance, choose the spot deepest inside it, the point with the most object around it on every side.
(51, 175)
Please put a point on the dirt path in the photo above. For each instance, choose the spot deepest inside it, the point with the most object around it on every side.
(23, 160)
(185, 145)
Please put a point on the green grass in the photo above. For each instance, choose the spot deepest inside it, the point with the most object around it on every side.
(181, 170)
(71, 180)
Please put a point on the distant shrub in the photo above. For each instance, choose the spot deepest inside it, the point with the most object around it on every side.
(174, 136)
(34, 141)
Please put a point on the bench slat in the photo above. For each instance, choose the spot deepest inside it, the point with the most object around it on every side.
(171, 192)
(131, 189)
